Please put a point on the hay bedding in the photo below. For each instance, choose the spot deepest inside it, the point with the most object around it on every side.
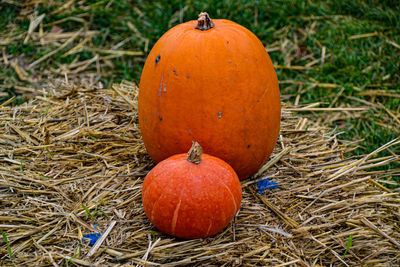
(81, 144)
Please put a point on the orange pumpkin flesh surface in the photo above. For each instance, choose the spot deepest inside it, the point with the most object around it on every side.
(189, 200)
(217, 86)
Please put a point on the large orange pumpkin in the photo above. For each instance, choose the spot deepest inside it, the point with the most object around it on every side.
(210, 81)
(193, 196)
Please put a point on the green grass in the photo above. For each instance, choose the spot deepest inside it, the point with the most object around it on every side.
(348, 244)
(300, 30)
(97, 211)
(8, 247)
(88, 213)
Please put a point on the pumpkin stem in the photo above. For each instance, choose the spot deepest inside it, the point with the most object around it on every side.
(204, 22)
(195, 152)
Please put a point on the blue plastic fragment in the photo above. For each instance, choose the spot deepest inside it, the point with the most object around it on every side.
(266, 184)
(92, 238)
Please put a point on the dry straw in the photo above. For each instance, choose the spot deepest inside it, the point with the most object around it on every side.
(72, 162)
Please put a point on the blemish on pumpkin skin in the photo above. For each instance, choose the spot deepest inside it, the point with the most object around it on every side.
(187, 76)
(158, 58)
(176, 73)
(175, 216)
(248, 146)
(188, 129)
(160, 118)
(219, 114)
(209, 228)
(161, 83)
(231, 194)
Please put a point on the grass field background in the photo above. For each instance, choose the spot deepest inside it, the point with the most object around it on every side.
(336, 53)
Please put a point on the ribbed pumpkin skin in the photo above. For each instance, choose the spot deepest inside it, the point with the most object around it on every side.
(190, 200)
(218, 87)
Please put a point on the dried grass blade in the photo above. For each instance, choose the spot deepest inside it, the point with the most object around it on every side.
(101, 239)
(280, 214)
(376, 229)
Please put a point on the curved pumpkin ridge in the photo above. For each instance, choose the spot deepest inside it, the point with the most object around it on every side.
(223, 215)
(149, 186)
(219, 216)
(210, 175)
(153, 185)
(230, 192)
(220, 181)
(154, 207)
(233, 183)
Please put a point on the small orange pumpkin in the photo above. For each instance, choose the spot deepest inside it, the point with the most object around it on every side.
(210, 81)
(191, 195)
